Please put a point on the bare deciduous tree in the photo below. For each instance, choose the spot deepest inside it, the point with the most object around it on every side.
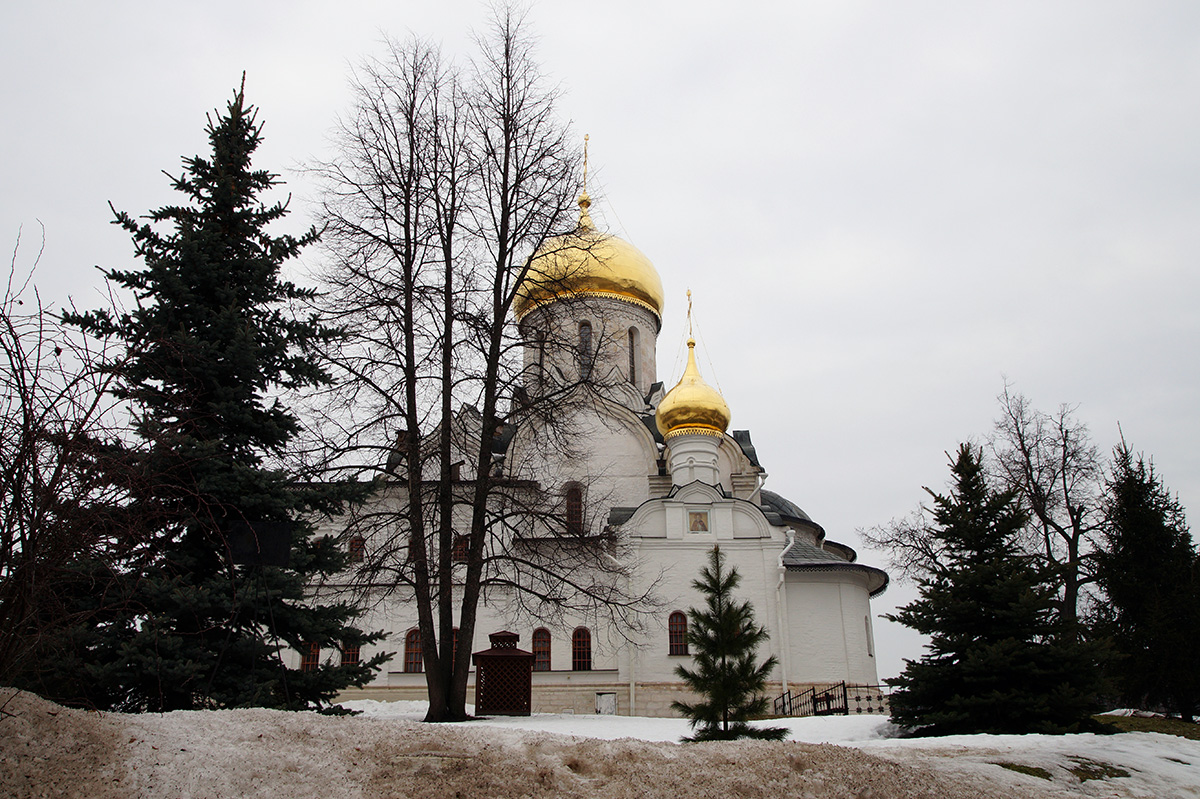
(448, 181)
(1049, 460)
(1056, 473)
(54, 498)
(911, 547)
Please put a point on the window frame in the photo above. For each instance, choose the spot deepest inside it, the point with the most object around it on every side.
(587, 355)
(461, 550)
(633, 341)
(581, 649)
(310, 656)
(541, 649)
(542, 338)
(414, 663)
(573, 501)
(677, 629)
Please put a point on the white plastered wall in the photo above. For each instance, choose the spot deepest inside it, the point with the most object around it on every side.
(669, 553)
(612, 468)
(829, 617)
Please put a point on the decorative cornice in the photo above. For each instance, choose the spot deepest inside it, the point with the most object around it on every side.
(699, 430)
(570, 295)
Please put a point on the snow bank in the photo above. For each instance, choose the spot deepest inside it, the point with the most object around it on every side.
(827, 729)
(46, 750)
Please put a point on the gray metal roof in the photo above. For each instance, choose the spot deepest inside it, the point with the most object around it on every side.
(803, 556)
(784, 507)
(804, 552)
(652, 425)
(617, 516)
(742, 437)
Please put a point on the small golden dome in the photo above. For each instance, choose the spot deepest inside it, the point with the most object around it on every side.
(588, 263)
(693, 405)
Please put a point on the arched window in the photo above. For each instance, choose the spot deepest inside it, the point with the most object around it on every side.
(310, 657)
(633, 336)
(541, 649)
(581, 649)
(462, 548)
(586, 355)
(574, 509)
(413, 662)
(351, 654)
(677, 634)
(541, 355)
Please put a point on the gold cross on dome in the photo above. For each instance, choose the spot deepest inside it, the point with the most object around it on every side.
(585, 161)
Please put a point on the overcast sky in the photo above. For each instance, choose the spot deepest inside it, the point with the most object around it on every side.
(883, 209)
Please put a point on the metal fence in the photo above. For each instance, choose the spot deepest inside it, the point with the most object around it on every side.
(839, 699)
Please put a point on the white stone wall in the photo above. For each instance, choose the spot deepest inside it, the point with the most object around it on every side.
(696, 457)
(675, 563)
(818, 621)
(397, 616)
(610, 320)
(829, 614)
(612, 469)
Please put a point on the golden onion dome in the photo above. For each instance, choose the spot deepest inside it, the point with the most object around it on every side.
(693, 405)
(588, 263)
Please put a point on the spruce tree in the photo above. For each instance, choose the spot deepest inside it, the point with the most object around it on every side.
(208, 346)
(994, 663)
(724, 638)
(1147, 568)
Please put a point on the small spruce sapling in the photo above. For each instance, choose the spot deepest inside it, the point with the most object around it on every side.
(724, 638)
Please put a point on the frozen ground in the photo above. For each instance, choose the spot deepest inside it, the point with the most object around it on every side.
(49, 751)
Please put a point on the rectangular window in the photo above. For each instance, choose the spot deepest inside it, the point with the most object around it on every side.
(350, 654)
(574, 510)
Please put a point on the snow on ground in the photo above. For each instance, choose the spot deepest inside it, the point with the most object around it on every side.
(50, 751)
(1159, 765)
(817, 730)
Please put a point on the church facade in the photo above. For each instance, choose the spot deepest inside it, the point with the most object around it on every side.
(660, 472)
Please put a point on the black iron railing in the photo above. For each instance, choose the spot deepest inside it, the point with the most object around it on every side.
(839, 699)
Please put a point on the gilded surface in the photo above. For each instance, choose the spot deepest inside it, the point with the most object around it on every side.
(589, 263)
(692, 404)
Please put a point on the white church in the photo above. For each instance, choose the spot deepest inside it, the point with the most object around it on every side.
(661, 472)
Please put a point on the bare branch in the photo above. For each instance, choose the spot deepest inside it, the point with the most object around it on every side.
(1049, 460)
(449, 180)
